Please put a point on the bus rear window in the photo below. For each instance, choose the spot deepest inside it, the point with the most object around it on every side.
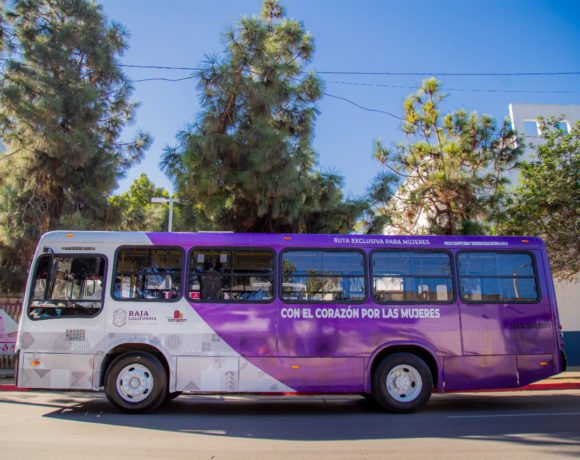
(231, 275)
(497, 277)
(411, 276)
(67, 286)
(148, 274)
(323, 276)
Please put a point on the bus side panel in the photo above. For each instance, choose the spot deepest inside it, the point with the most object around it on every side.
(480, 372)
(203, 373)
(57, 370)
(318, 375)
(532, 368)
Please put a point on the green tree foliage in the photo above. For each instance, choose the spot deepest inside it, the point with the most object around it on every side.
(134, 210)
(63, 104)
(247, 164)
(448, 176)
(546, 203)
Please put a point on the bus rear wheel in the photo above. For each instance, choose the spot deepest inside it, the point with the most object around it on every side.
(402, 383)
(136, 382)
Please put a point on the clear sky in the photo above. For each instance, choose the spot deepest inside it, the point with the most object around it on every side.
(461, 36)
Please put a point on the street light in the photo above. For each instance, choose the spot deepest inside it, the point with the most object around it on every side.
(165, 201)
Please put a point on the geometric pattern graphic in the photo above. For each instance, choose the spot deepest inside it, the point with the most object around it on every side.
(254, 379)
(26, 340)
(207, 373)
(173, 341)
(52, 370)
(72, 341)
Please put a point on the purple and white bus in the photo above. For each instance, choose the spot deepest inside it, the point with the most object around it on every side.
(147, 316)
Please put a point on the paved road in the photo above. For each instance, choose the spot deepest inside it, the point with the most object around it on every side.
(483, 425)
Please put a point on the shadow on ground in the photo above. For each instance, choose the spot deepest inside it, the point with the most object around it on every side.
(553, 419)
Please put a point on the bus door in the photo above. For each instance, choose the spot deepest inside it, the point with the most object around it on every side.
(321, 343)
(62, 326)
(507, 330)
(232, 290)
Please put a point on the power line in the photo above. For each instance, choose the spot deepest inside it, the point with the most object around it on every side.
(159, 67)
(368, 109)
(163, 79)
(480, 90)
(417, 74)
(380, 85)
(448, 74)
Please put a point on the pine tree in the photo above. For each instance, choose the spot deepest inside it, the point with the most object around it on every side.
(63, 103)
(247, 164)
(448, 176)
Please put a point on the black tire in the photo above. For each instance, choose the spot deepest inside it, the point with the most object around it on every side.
(142, 368)
(413, 388)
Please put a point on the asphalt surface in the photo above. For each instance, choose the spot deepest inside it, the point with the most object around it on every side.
(531, 424)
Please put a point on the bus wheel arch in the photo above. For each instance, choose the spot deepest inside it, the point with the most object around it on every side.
(421, 352)
(136, 382)
(121, 349)
(402, 377)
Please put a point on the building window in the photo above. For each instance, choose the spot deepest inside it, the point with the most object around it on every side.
(531, 128)
(563, 125)
(412, 276)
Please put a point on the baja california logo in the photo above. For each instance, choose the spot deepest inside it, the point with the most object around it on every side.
(141, 315)
(120, 317)
(177, 318)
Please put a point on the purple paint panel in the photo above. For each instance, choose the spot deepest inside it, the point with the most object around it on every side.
(312, 335)
(532, 368)
(480, 372)
(317, 375)
(250, 329)
(478, 342)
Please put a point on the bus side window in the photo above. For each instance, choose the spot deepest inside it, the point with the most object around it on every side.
(497, 277)
(41, 277)
(148, 274)
(231, 275)
(411, 276)
(323, 275)
(67, 286)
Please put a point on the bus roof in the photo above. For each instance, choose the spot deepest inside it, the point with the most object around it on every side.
(74, 238)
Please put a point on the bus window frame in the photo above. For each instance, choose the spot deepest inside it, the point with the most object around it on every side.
(454, 284)
(151, 248)
(52, 256)
(539, 295)
(232, 248)
(325, 302)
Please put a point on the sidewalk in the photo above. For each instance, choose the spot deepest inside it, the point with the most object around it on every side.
(569, 380)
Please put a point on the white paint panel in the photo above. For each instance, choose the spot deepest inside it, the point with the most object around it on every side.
(201, 373)
(57, 370)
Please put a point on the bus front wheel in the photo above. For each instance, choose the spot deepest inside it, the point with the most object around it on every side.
(402, 383)
(136, 382)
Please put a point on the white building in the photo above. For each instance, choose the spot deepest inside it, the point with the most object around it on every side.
(524, 118)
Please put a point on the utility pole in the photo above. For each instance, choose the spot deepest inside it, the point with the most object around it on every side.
(165, 201)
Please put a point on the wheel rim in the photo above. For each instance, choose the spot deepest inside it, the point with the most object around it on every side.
(135, 383)
(404, 383)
